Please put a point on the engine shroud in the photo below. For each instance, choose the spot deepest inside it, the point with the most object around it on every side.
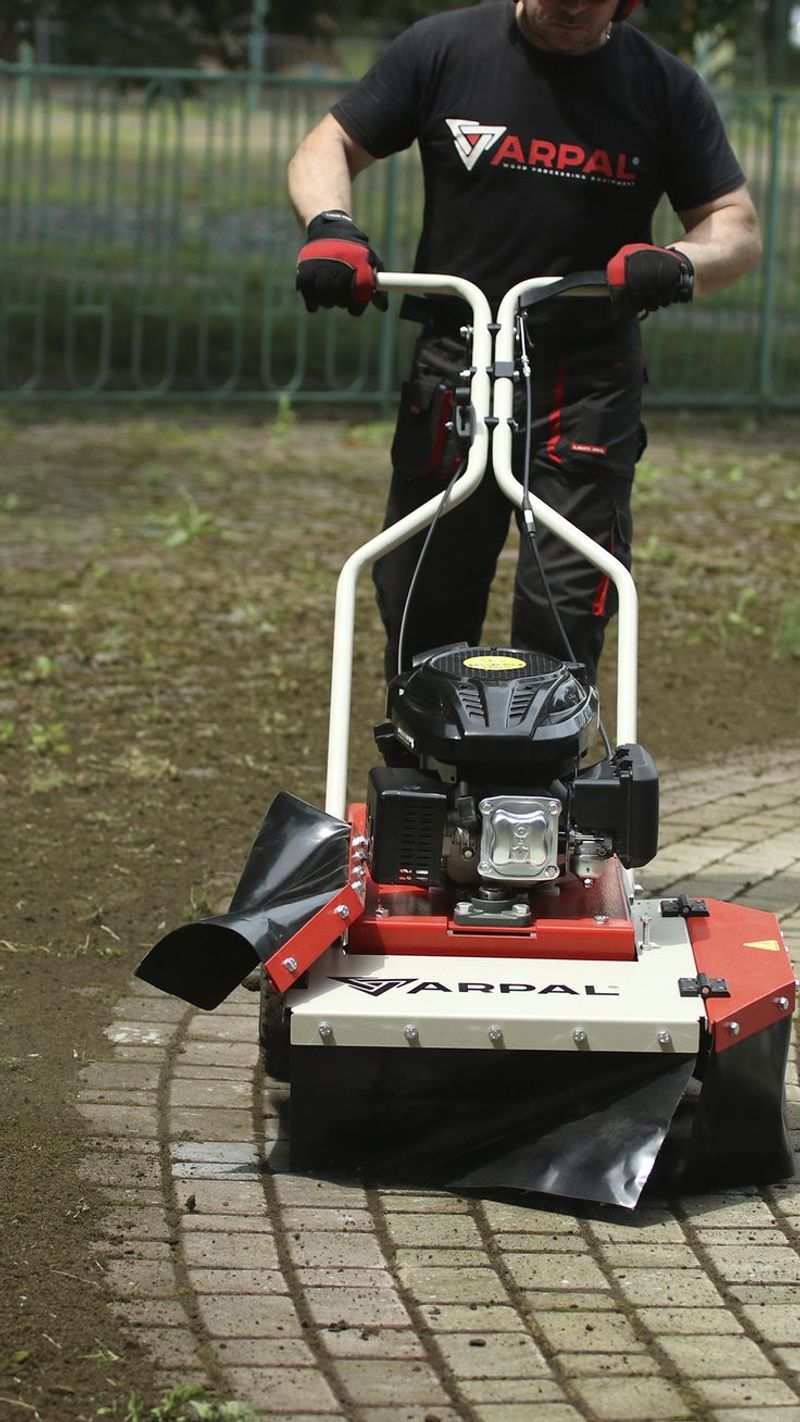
(483, 779)
(481, 707)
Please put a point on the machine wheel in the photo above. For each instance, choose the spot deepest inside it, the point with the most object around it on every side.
(273, 1031)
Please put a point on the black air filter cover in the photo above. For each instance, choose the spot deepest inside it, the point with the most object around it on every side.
(477, 705)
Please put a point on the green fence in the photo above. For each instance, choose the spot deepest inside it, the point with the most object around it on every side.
(147, 250)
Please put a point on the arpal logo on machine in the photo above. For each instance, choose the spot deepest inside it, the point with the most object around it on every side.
(473, 139)
(376, 987)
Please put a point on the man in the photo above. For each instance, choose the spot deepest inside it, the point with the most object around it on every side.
(548, 130)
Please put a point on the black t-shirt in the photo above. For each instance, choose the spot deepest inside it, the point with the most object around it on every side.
(535, 163)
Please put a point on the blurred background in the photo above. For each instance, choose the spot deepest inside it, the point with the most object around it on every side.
(147, 248)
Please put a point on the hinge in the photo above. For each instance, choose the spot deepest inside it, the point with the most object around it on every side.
(684, 907)
(703, 986)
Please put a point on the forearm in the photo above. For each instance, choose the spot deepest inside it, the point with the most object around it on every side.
(320, 175)
(722, 246)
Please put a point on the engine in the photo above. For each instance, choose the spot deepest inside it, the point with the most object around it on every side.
(487, 778)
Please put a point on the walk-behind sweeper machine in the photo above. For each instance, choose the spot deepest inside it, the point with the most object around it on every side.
(460, 978)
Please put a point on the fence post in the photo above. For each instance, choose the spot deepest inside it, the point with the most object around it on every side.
(771, 222)
(388, 326)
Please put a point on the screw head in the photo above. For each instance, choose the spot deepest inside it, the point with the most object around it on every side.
(782, 1003)
(342, 911)
(734, 1029)
(410, 1032)
(325, 1030)
(495, 1034)
(600, 918)
(552, 871)
(664, 1039)
(579, 1036)
(290, 964)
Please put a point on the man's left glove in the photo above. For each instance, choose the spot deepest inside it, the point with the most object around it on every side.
(337, 266)
(642, 278)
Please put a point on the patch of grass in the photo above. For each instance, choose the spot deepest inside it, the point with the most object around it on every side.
(189, 1403)
(285, 420)
(188, 522)
(47, 739)
(737, 619)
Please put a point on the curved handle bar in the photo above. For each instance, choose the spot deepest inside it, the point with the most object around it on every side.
(526, 293)
(485, 403)
(344, 614)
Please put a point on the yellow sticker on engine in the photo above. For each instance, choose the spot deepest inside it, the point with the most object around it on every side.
(770, 944)
(487, 663)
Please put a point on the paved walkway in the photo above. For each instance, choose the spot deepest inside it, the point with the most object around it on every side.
(317, 1301)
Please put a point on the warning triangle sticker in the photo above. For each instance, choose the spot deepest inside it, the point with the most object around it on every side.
(770, 945)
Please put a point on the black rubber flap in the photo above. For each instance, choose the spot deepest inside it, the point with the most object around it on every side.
(298, 862)
(582, 1125)
(734, 1131)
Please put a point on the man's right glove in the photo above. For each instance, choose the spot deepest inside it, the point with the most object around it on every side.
(642, 278)
(337, 266)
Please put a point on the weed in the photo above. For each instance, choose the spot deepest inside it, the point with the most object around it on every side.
(187, 523)
(737, 620)
(7, 729)
(47, 739)
(44, 668)
(200, 905)
(185, 1404)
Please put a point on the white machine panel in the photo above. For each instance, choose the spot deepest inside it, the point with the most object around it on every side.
(529, 1004)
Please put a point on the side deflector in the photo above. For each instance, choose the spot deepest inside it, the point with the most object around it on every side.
(298, 863)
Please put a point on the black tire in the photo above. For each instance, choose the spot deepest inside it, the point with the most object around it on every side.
(273, 1031)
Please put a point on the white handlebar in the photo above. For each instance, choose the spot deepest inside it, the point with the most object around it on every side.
(483, 407)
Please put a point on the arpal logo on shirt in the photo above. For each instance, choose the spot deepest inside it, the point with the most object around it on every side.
(540, 155)
(473, 139)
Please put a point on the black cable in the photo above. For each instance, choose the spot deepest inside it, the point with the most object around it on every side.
(527, 510)
(527, 514)
(420, 560)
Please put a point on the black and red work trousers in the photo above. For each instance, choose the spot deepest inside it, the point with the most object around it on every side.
(586, 438)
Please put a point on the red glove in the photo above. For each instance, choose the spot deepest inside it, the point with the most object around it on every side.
(642, 278)
(337, 266)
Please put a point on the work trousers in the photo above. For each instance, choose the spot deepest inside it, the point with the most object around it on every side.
(586, 438)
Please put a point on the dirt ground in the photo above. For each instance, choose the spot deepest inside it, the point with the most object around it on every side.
(167, 596)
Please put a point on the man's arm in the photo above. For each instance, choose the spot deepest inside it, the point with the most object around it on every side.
(723, 240)
(321, 173)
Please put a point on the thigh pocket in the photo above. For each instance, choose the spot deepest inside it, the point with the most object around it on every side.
(594, 423)
(423, 446)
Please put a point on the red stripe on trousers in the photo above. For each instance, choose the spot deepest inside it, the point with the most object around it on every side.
(554, 418)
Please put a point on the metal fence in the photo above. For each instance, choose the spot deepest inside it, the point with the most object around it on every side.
(147, 250)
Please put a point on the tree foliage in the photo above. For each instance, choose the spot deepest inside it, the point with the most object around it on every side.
(188, 32)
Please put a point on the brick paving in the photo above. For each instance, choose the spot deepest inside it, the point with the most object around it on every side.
(314, 1300)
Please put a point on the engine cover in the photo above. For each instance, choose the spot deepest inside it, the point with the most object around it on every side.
(479, 707)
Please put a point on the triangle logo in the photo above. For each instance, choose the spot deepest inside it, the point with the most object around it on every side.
(375, 987)
(770, 945)
(472, 139)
